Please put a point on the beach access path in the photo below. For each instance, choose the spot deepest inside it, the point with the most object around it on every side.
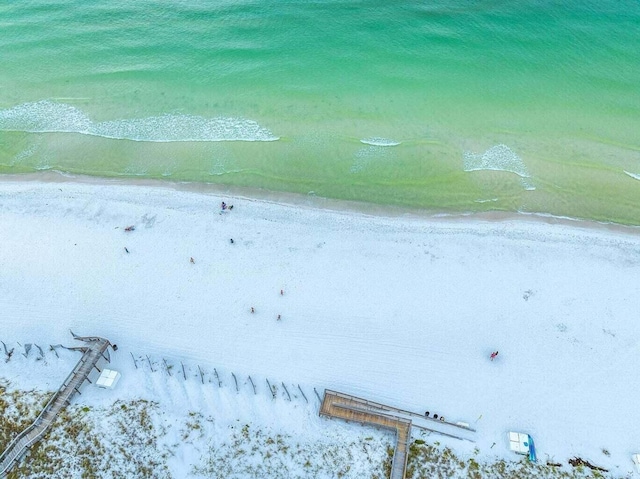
(95, 349)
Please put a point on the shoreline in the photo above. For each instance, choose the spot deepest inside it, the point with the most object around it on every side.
(322, 203)
(384, 303)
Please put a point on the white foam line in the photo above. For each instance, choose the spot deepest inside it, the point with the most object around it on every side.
(50, 117)
(632, 175)
(378, 141)
(506, 170)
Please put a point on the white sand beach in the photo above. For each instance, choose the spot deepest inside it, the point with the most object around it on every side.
(395, 307)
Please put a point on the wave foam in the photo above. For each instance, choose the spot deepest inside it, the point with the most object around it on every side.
(49, 117)
(498, 158)
(632, 175)
(43, 117)
(378, 141)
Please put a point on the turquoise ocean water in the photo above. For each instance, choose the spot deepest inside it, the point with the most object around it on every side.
(457, 106)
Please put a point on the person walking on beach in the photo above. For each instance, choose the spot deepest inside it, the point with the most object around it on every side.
(494, 355)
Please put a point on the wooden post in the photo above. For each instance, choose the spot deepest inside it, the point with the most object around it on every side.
(166, 366)
(254, 386)
(150, 365)
(234, 378)
(201, 374)
(184, 374)
(272, 389)
(317, 395)
(215, 371)
(132, 357)
(301, 392)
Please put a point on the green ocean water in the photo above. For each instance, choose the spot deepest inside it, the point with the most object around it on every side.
(444, 105)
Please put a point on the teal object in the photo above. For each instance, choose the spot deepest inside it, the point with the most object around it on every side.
(532, 450)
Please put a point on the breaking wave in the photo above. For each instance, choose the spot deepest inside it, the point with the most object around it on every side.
(498, 158)
(50, 117)
(377, 141)
(632, 175)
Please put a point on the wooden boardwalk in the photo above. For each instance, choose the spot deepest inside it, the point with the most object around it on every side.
(93, 351)
(351, 408)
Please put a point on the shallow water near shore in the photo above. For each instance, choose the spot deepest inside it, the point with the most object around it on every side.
(497, 107)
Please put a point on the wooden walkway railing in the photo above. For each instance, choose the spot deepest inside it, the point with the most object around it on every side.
(21, 443)
(439, 426)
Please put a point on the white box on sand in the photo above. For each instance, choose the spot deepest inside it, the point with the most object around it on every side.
(108, 379)
(519, 442)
